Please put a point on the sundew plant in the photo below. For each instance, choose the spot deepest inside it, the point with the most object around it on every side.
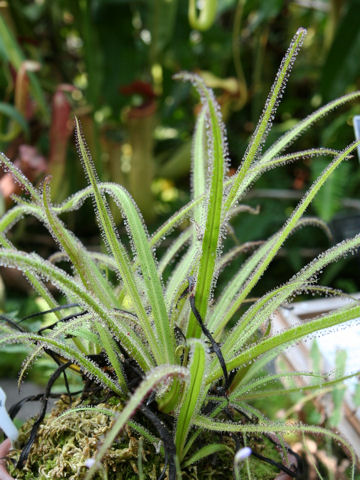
(176, 348)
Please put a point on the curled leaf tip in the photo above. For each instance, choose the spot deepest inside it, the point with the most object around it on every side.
(47, 179)
(301, 31)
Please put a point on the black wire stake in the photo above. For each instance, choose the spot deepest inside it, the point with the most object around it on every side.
(16, 407)
(51, 310)
(168, 441)
(26, 450)
(215, 346)
(280, 466)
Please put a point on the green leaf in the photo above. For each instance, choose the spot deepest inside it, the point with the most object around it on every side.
(210, 243)
(285, 338)
(241, 389)
(69, 353)
(265, 121)
(269, 427)
(290, 136)
(156, 376)
(173, 249)
(206, 451)
(276, 242)
(148, 267)
(19, 176)
(113, 354)
(285, 141)
(85, 334)
(64, 282)
(33, 279)
(291, 157)
(121, 256)
(199, 167)
(90, 275)
(270, 302)
(11, 112)
(192, 395)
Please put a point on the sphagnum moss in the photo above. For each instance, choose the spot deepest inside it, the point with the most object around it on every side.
(66, 441)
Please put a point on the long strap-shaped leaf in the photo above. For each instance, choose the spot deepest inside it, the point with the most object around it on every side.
(33, 262)
(248, 394)
(199, 167)
(15, 214)
(276, 242)
(183, 269)
(35, 281)
(255, 315)
(218, 318)
(77, 199)
(150, 274)
(19, 177)
(266, 119)
(266, 306)
(69, 353)
(241, 389)
(112, 352)
(174, 249)
(123, 260)
(216, 151)
(89, 273)
(284, 142)
(282, 160)
(291, 335)
(148, 385)
(288, 137)
(210, 424)
(191, 396)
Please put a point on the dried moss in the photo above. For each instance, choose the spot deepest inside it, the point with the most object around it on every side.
(65, 442)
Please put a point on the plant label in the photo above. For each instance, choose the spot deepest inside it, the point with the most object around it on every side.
(6, 424)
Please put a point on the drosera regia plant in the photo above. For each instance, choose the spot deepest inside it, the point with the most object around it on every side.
(166, 349)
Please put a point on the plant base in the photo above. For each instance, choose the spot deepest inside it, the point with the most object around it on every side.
(65, 441)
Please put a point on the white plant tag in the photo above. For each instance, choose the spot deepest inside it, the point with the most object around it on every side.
(6, 424)
(356, 122)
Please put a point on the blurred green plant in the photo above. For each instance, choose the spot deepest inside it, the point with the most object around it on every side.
(203, 19)
(102, 49)
(111, 63)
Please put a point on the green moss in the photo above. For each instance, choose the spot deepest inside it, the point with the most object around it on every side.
(220, 465)
(65, 442)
